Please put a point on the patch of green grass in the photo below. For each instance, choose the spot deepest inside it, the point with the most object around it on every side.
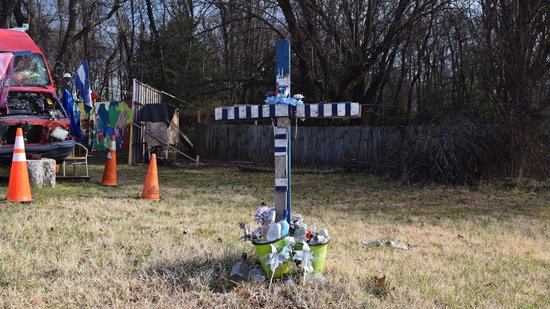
(84, 245)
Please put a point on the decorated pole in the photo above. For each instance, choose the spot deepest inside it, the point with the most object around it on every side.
(283, 136)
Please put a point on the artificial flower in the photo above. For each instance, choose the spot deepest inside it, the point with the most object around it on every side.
(263, 214)
(305, 256)
(274, 259)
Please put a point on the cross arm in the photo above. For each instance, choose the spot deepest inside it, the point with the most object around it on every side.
(313, 110)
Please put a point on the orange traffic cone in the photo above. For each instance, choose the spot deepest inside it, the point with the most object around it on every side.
(151, 186)
(19, 188)
(109, 173)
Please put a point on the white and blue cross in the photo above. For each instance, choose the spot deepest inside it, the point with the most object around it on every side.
(282, 108)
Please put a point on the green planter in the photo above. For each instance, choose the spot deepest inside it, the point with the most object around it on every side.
(319, 253)
(262, 251)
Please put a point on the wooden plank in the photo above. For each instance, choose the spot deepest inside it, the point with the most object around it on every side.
(185, 138)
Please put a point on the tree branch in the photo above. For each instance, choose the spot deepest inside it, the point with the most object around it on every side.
(95, 23)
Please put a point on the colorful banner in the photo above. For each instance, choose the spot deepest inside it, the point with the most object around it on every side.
(112, 118)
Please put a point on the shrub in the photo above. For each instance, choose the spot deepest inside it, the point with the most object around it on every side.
(458, 152)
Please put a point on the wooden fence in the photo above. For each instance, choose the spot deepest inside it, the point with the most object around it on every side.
(310, 145)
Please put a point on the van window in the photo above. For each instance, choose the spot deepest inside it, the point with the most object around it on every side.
(30, 70)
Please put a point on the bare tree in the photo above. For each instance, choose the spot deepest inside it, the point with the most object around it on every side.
(515, 51)
(71, 35)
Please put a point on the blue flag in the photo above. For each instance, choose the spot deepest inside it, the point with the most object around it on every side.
(82, 83)
(73, 114)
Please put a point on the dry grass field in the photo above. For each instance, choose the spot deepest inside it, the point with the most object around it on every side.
(83, 245)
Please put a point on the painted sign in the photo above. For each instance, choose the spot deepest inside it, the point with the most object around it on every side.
(112, 118)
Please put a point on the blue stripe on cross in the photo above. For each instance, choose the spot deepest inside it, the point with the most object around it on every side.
(281, 184)
(280, 142)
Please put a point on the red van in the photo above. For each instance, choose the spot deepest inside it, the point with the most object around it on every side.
(32, 103)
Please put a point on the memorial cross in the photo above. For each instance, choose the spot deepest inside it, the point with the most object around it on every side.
(281, 107)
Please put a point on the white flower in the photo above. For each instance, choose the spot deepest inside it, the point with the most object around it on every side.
(307, 259)
(305, 256)
(275, 259)
(285, 252)
(290, 241)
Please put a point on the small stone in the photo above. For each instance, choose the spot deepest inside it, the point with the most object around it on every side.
(376, 243)
(389, 244)
(398, 245)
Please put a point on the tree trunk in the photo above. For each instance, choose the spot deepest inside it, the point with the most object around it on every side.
(42, 172)
(60, 59)
(6, 11)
